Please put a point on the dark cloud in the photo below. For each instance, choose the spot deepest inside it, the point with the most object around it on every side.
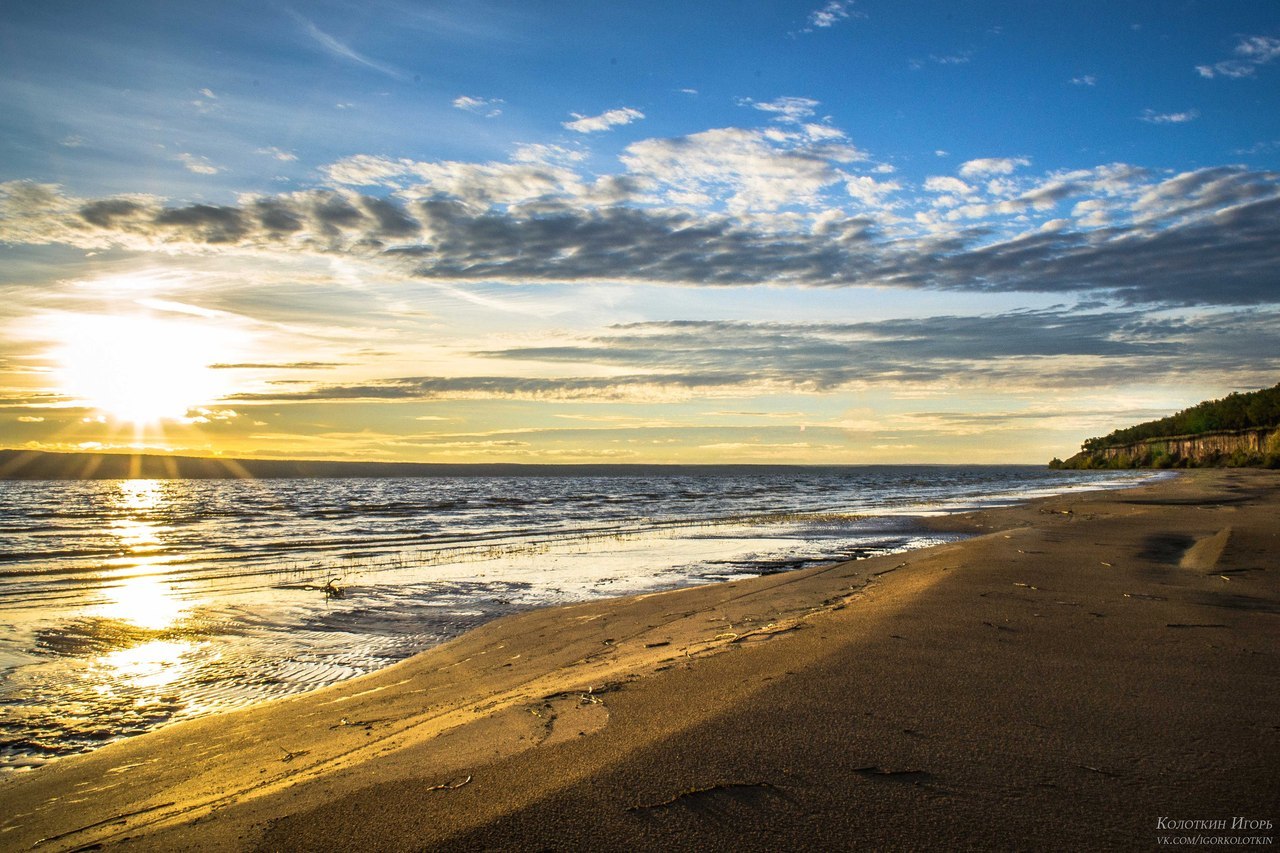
(614, 243)
(108, 212)
(1202, 238)
(291, 365)
(1041, 349)
(205, 223)
(1229, 258)
(392, 220)
(436, 388)
(276, 217)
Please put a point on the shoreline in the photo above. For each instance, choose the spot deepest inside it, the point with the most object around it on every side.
(892, 701)
(91, 662)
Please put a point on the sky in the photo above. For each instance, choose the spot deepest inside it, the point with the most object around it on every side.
(791, 232)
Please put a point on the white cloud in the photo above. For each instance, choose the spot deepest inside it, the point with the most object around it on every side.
(869, 191)
(199, 165)
(992, 166)
(1085, 80)
(961, 58)
(1091, 213)
(340, 49)
(279, 154)
(1251, 52)
(368, 170)
(941, 184)
(208, 93)
(487, 107)
(537, 152)
(478, 185)
(604, 121)
(1002, 187)
(1153, 117)
(785, 109)
(831, 14)
(750, 170)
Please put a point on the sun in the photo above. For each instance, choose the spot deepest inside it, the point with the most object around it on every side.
(140, 368)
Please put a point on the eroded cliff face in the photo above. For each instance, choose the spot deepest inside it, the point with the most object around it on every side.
(1236, 448)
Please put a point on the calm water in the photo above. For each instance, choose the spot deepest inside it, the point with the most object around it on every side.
(126, 604)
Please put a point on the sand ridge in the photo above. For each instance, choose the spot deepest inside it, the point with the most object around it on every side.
(1081, 667)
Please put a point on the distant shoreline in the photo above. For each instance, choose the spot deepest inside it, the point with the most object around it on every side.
(43, 465)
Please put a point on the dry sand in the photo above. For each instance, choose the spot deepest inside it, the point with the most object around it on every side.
(1084, 667)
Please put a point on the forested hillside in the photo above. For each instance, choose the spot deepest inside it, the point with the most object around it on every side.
(1234, 412)
(1240, 430)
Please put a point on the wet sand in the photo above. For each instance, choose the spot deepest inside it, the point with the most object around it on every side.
(1083, 667)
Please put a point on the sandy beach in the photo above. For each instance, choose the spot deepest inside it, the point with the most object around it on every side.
(1083, 673)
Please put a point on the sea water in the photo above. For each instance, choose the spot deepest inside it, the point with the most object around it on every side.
(128, 604)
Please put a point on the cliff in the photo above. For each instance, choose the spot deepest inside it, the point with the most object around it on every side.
(1242, 448)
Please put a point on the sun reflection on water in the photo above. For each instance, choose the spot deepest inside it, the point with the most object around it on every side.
(141, 601)
(146, 601)
(136, 536)
(139, 495)
(138, 588)
(148, 666)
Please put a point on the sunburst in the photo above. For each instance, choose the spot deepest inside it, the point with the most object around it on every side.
(141, 369)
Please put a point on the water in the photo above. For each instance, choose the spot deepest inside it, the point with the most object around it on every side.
(127, 604)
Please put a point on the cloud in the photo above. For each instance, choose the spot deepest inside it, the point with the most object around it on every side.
(339, 49)
(832, 13)
(785, 109)
(536, 152)
(535, 176)
(869, 191)
(992, 166)
(681, 360)
(762, 170)
(277, 153)
(961, 58)
(941, 184)
(1152, 117)
(290, 365)
(1251, 53)
(604, 121)
(730, 207)
(487, 107)
(198, 165)
(1084, 80)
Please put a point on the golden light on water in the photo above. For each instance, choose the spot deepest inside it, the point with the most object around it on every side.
(141, 494)
(146, 601)
(136, 536)
(149, 665)
(143, 596)
(141, 368)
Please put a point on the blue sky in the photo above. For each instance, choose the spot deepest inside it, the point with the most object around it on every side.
(810, 232)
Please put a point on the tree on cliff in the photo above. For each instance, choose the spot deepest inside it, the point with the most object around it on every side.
(1253, 410)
